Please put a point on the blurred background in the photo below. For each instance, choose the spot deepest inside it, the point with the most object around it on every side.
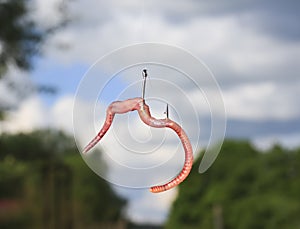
(253, 49)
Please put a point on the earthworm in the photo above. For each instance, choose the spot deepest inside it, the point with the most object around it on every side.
(138, 104)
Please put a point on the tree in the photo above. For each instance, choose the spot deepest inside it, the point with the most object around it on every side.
(18, 35)
(244, 188)
(45, 184)
(21, 39)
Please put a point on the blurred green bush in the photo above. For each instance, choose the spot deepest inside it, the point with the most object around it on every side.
(44, 183)
(245, 188)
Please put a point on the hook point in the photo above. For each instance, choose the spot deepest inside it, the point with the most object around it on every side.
(145, 73)
(167, 111)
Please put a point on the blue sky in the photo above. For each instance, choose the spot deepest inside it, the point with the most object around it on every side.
(251, 47)
(64, 78)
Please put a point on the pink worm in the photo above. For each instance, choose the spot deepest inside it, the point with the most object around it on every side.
(121, 107)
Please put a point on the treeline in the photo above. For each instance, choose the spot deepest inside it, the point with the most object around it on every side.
(245, 189)
(44, 183)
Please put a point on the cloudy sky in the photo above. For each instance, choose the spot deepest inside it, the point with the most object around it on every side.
(252, 48)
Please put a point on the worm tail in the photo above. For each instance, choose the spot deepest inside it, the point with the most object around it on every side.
(117, 107)
(102, 132)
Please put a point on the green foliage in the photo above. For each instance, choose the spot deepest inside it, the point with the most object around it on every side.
(11, 177)
(95, 198)
(21, 40)
(44, 183)
(39, 145)
(243, 189)
(19, 36)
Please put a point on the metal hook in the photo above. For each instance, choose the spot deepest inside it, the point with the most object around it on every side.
(167, 111)
(144, 83)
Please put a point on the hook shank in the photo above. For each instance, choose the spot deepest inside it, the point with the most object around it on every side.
(144, 83)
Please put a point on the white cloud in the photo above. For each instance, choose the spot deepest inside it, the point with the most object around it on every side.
(47, 13)
(6, 97)
(234, 52)
(262, 101)
(62, 114)
(14, 87)
(30, 115)
(33, 114)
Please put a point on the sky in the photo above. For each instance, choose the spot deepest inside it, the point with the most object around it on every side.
(251, 49)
